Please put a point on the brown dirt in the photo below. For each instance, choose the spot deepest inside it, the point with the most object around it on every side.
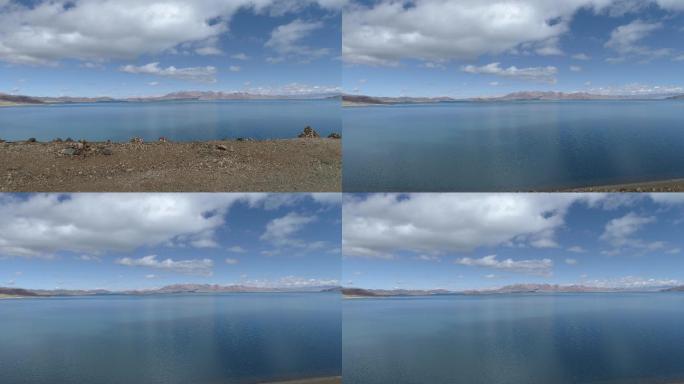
(676, 185)
(310, 165)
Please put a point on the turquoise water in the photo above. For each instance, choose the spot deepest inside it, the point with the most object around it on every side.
(515, 339)
(177, 121)
(198, 339)
(491, 147)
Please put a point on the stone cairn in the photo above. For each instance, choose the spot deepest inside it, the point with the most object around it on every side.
(309, 133)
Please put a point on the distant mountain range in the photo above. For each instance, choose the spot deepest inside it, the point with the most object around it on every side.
(369, 100)
(516, 96)
(170, 289)
(541, 288)
(674, 289)
(358, 292)
(550, 96)
(510, 289)
(349, 292)
(175, 96)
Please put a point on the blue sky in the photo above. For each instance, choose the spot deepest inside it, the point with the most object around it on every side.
(127, 48)
(462, 241)
(118, 241)
(469, 48)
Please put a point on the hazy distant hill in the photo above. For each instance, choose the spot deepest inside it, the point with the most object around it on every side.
(541, 288)
(674, 289)
(510, 289)
(16, 292)
(175, 96)
(360, 99)
(170, 289)
(15, 99)
(535, 95)
(387, 293)
(209, 95)
(678, 97)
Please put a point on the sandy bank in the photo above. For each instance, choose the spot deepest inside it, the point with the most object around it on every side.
(675, 185)
(312, 165)
(322, 380)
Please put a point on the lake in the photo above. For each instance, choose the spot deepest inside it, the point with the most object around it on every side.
(511, 146)
(177, 120)
(512, 339)
(199, 339)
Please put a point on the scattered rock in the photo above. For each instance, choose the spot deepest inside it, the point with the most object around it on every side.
(221, 147)
(69, 152)
(309, 133)
(32, 140)
(137, 140)
(335, 136)
(106, 151)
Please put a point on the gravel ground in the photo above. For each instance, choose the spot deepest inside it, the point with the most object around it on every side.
(324, 380)
(656, 186)
(310, 165)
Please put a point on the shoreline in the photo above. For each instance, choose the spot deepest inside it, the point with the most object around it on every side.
(284, 165)
(669, 185)
(318, 380)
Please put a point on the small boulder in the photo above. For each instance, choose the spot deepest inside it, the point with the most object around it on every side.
(163, 140)
(58, 140)
(69, 140)
(137, 140)
(106, 151)
(336, 136)
(32, 140)
(221, 147)
(69, 152)
(309, 133)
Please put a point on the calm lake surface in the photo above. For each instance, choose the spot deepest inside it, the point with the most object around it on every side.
(513, 339)
(489, 147)
(227, 338)
(177, 121)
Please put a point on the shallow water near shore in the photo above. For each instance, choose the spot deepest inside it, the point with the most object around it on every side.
(500, 339)
(223, 338)
(511, 146)
(175, 120)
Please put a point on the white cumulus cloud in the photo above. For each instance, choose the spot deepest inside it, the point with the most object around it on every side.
(383, 224)
(384, 32)
(203, 267)
(201, 74)
(541, 267)
(280, 231)
(539, 74)
(45, 32)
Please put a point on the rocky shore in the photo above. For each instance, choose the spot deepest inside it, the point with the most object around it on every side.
(323, 380)
(675, 185)
(309, 163)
